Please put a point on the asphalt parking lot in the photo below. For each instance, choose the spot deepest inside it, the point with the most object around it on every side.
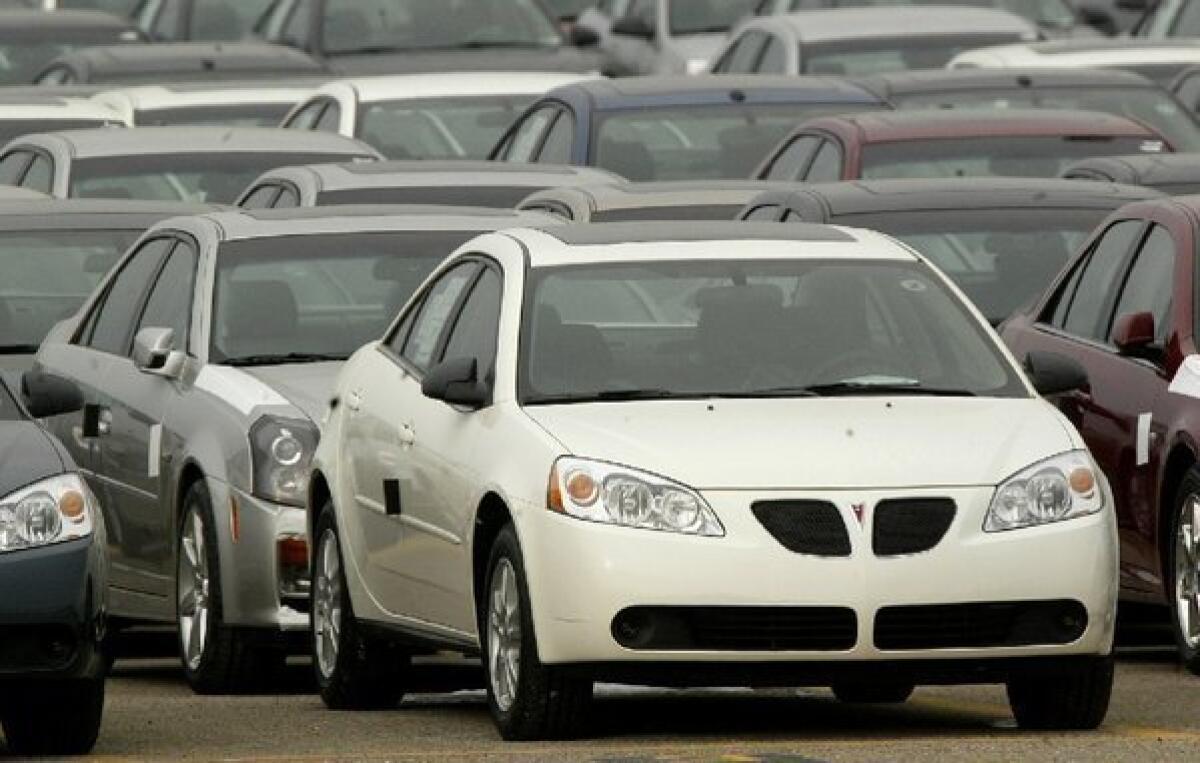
(152, 714)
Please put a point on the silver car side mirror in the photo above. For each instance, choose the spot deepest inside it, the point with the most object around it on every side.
(154, 352)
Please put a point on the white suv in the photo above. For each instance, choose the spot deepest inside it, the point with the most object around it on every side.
(707, 454)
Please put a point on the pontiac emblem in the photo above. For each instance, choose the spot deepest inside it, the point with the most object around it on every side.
(859, 510)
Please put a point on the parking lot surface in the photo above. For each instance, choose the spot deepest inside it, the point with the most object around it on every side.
(152, 715)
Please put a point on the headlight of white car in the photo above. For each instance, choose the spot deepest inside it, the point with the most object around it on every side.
(1059, 488)
(51, 511)
(618, 495)
(282, 450)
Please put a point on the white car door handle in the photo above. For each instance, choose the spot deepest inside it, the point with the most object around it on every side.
(354, 401)
(407, 435)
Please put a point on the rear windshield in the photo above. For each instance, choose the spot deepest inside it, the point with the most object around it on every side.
(232, 115)
(498, 196)
(201, 177)
(440, 128)
(707, 16)
(322, 296)
(1001, 156)
(894, 54)
(1001, 258)
(45, 276)
(1149, 105)
(669, 212)
(699, 142)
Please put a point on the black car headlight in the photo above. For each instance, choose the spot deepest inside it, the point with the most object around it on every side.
(281, 450)
(54, 510)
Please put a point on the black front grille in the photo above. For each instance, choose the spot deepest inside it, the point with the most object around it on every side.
(987, 624)
(751, 629)
(910, 526)
(805, 527)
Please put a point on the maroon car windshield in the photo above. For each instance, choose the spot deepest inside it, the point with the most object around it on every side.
(998, 156)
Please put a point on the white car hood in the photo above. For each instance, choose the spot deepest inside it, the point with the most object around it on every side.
(834, 443)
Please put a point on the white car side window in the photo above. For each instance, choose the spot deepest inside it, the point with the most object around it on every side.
(427, 330)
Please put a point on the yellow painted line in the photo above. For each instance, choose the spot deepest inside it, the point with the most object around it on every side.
(1152, 733)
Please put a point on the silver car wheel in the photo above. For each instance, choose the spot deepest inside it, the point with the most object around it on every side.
(504, 634)
(1187, 571)
(327, 604)
(193, 586)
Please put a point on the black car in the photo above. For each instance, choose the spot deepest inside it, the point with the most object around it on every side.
(405, 36)
(1173, 174)
(177, 62)
(54, 252)
(1112, 91)
(29, 40)
(1002, 240)
(53, 581)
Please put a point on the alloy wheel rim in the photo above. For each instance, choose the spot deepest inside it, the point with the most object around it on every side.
(193, 586)
(504, 635)
(327, 604)
(1187, 571)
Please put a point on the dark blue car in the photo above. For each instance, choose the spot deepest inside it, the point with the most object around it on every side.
(53, 579)
(674, 128)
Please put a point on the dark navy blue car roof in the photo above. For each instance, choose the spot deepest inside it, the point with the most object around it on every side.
(631, 92)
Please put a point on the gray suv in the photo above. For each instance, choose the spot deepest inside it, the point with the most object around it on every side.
(206, 360)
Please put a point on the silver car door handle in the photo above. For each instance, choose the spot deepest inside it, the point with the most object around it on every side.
(408, 436)
(104, 423)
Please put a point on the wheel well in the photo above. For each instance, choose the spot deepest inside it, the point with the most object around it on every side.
(318, 494)
(491, 518)
(1179, 462)
(190, 476)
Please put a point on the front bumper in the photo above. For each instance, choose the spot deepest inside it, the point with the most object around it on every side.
(251, 578)
(52, 612)
(582, 575)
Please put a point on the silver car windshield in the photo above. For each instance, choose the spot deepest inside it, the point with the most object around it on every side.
(746, 328)
(315, 298)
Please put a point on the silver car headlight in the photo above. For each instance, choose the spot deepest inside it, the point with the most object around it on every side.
(282, 450)
(597, 491)
(54, 510)
(1060, 488)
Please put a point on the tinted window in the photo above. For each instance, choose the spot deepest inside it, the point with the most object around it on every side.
(1002, 156)
(557, 147)
(288, 197)
(225, 19)
(668, 212)
(306, 118)
(166, 26)
(475, 332)
(200, 177)
(47, 274)
(12, 167)
(1151, 281)
(793, 159)
(827, 165)
(881, 55)
(529, 134)
(350, 26)
(435, 311)
(691, 17)
(113, 327)
(170, 302)
(261, 197)
(769, 214)
(298, 29)
(440, 128)
(322, 295)
(501, 196)
(697, 142)
(225, 115)
(331, 118)
(774, 57)
(1086, 315)
(745, 55)
(40, 175)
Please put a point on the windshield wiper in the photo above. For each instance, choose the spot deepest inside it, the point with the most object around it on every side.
(608, 396)
(279, 360)
(366, 49)
(851, 388)
(18, 349)
(479, 44)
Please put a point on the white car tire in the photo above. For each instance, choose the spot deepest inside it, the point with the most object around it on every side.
(353, 671)
(528, 700)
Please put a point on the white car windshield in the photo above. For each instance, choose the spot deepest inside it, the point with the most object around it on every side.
(380, 26)
(747, 328)
(440, 128)
(707, 16)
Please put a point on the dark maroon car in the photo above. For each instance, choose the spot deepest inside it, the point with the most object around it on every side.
(1125, 308)
(947, 143)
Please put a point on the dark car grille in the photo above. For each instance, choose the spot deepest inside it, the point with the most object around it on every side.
(805, 527)
(989, 624)
(756, 629)
(910, 526)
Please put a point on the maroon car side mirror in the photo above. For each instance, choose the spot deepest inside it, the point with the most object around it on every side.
(1133, 333)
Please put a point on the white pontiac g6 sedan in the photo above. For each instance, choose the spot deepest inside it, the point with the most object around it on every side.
(707, 454)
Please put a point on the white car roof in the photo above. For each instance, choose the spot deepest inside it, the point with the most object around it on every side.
(450, 84)
(1043, 54)
(53, 107)
(899, 21)
(152, 97)
(634, 242)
